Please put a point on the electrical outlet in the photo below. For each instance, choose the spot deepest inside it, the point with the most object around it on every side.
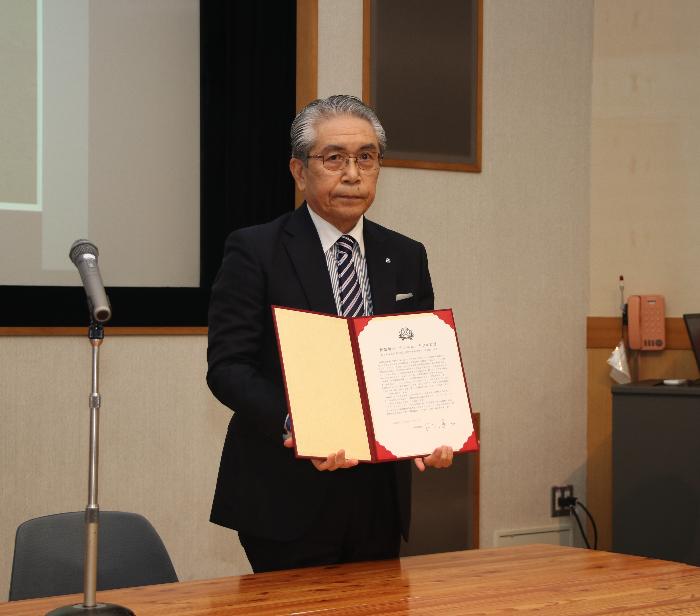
(557, 493)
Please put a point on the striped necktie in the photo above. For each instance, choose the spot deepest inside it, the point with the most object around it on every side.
(351, 301)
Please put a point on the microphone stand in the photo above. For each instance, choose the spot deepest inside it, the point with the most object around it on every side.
(92, 511)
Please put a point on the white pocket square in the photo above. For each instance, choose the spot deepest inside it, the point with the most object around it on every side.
(400, 296)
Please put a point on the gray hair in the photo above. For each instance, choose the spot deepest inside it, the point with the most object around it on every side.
(303, 131)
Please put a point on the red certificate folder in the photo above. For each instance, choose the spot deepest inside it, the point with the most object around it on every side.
(382, 387)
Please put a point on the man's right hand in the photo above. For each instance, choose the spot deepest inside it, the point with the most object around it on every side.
(333, 462)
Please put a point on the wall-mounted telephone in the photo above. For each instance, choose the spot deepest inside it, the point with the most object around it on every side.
(646, 322)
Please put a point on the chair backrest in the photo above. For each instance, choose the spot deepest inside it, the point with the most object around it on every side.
(50, 553)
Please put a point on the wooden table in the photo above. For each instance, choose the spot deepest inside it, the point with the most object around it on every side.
(539, 579)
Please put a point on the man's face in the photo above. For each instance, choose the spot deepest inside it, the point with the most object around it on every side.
(338, 197)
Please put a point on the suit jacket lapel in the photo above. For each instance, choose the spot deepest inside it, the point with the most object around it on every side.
(380, 268)
(304, 249)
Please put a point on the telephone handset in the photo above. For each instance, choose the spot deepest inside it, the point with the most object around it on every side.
(646, 322)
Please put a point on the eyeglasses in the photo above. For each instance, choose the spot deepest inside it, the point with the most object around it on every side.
(336, 161)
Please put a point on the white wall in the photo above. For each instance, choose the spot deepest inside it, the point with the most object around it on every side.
(508, 247)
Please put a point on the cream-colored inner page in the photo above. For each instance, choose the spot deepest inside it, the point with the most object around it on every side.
(415, 384)
(324, 396)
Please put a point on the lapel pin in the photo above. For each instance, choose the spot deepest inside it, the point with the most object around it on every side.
(388, 260)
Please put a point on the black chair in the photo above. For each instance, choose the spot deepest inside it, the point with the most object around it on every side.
(49, 555)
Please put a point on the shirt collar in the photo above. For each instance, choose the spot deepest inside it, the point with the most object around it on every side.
(329, 235)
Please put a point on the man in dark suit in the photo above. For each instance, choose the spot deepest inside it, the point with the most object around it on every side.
(326, 257)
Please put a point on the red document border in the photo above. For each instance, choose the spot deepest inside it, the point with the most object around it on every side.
(378, 452)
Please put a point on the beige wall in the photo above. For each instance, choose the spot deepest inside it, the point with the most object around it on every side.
(508, 248)
(645, 214)
(161, 437)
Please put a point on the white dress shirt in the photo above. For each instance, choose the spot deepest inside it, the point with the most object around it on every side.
(329, 235)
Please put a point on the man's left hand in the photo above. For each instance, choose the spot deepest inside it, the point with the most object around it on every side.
(440, 458)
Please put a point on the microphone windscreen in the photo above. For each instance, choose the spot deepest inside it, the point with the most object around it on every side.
(82, 247)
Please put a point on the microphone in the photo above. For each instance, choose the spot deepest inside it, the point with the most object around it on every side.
(84, 256)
